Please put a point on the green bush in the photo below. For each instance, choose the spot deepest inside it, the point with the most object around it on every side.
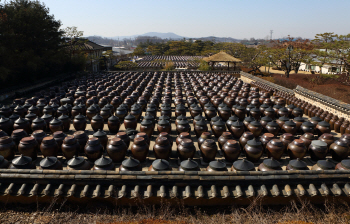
(204, 66)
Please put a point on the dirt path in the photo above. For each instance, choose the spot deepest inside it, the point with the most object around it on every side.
(262, 69)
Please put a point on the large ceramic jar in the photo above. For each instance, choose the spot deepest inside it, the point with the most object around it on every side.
(210, 112)
(264, 121)
(231, 150)
(123, 136)
(339, 150)
(22, 162)
(38, 135)
(200, 127)
(183, 126)
(51, 163)
(297, 164)
(49, 147)
(116, 149)
(208, 150)
(307, 139)
(318, 150)
(343, 165)
(79, 122)
(224, 138)
(225, 112)
(93, 149)
(345, 138)
(289, 127)
(273, 128)
(237, 129)
(38, 124)
(281, 120)
(7, 147)
(65, 121)
(164, 126)
(70, 147)
(253, 150)
(186, 149)
(298, 122)
(103, 163)
(47, 118)
(102, 136)
(230, 121)
(28, 147)
(22, 123)
(55, 125)
(162, 148)
(204, 136)
(297, 149)
(140, 149)
(78, 163)
(323, 127)
(270, 164)
(269, 112)
(113, 124)
(307, 127)
(91, 112)
(240, 112)
(297, 112)
(286, 138)
(265, 138)
(275, 149)
(218, 128)
(327, 138)
(243, 165)
(255, 128)
(59, 137)
(147, 127)
(18, 134)
(245, 138)
(82, 138)
(97, 123)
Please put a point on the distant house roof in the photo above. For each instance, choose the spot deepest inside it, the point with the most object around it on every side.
(82, 44)
(221, 57)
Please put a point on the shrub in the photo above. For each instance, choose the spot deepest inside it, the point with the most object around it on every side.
(204, 66)
(169, 66)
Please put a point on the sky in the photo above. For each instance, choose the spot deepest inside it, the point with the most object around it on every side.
(201, 18)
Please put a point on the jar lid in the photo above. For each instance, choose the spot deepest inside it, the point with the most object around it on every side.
(160, 164)
(316, 119)
(189, 165)
(130, 163)
(182, 122)
(249, 119)
(146, 122)
(299, 119)
(103, 161)
(21, 160)
(76, 161)
(63, 117)
(180, 107)
(318, 143)
(97, 117)
(148, 117)
(31, 116)
(48, 162)
(164, 117)
(48, 140)
(28, 140)
(298, 164)
(323, 124)
(265, 106)
(80, 117)
(272, 124)
(255, 123)
(266, 119)
(291, 106)
(211, 108)
(216, 118)
(308, 124)
(147, 110)
(198, 117)
(4, 120)
(346, 163)
(62, 108)
(272, 163)
(298, 109)
(76, 107)
(269, 109)
(99, 134)
(219, 123)
(163, 122)
(243, 165)
(135, 106)
(209, 142)
(277, 106)
(255, 110)
(284, 118)
(225, 108)
(59, 134)
(186, 142)
(181, 117)
(325, 164)
(233, 118)
(14, 117)
(290, 123)
(21, 121)
(254, 143)
(283, 109)
(55, 121)
(217, 165)
(201, 123)
(276, 142)
(46, 116)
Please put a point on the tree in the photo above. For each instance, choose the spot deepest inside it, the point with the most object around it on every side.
(324, 49)
(255, 58)
(29, 42)
(125, 65)
(72, 38)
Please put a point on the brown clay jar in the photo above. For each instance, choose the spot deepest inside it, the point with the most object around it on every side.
(343, 127)
(164, 126)
(103, 163)
(339, 150)
(22, 162)
(130, 122)
(162, 148)
(231, 150)
(237, 129)
(286, 138)
(275, 149)
(183, 126)
(208, 150)
(200, 127)
(327, 138)
(337, 124)
(255, 128)
(289, 127)
(59, 137)
(93, 149)
(140, 149)
(116, 149)
(273, 128)
(218, 128)
(224, 138)
(70, 147)
(204, 136)
(38, 124)
(79, 122)
(186, 149)
(97, 123)
(307, 127)
(123, 136)
(102, 136)
(82, 138)
(22, 123)
(265, 138)
(7, 147)
(323, 127)
(343, 165)
(297, 149)
(38, 135)
(307, 139)
(245, 138)
(28, 147)
(318, 150)
(147, 127)
(66, 122)
(253, 150)
(49, 147)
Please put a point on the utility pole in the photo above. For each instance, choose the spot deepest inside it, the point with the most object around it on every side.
(271, 31)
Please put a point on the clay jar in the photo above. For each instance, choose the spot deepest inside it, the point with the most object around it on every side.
(6, 125)
(82, 138)
(343, 165)
(318, 150)
(208, 150)
(275, 149)
(224, 138)
(22, 162)
(297, 149)
(189, 165)
(59, 137)
(166, 135)
(286, 138)
(147, 127)
(55, 125)
(216, 166)
(245, 138)
(22, 123)
(237, 129)
(269, 165)
(97, 123)
(116, 149)
(162, 148)
(289, 127)
(49, 147)
(265, 138)
(323, 165)
(307, 139)
(18, 134)
(70, 147)
(323, 127)
(91, 112)
(140, 149)
(218, 128)
(200, 127)
(264, 121)
(164, 126)
(255, 128)
(307, 127)
(231, 150)
(253, 150)
(123, 136)
(281, 120)
(93, 149)
(327, 138)
(7, 147)
(103, 163)
(339, 150)
(79, 122)
(28, 147)
(242, 165)
(210, 112)
(186, 149)
(38, 124)
(50, 163)
(273, 128)
(78, 163)
(102, 136)
(204, 136)
(240, 112)
(183, 126)
(65, 121)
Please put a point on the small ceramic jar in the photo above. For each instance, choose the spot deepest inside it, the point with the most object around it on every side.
(253, 150)
(28, 146)
(231, 150)
(123, 136)
(186, 149)
(243, 165)
(51, 163)
(297, 164)
(297, 149)
(140, 149)
(79, 122)
(93, 149)
(270, 164)
(49, 147)
(318, 150)
(78, 163)
(275, 149)
(103, 163)
(162, 148)
(70, 147)
(208, 150)
(339, 150)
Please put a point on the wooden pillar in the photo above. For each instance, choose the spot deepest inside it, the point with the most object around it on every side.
(228, 66)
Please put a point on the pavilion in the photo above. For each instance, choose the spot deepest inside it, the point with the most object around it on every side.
(222, 57)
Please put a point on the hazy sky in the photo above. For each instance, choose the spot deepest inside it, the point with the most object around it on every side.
(199, 18)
